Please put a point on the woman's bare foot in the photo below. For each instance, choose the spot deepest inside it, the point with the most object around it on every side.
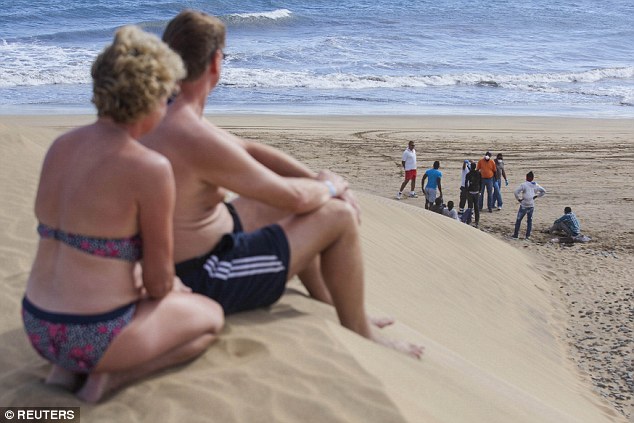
(96, 387)
(381, 322)
(59, 376)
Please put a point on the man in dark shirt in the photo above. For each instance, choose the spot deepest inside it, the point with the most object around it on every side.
(473, 184)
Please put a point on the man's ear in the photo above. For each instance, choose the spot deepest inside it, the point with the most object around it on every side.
(215, 62)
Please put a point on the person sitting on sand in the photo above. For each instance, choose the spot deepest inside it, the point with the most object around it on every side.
(449, 211)
(104, 203)
(287, 221)
(438, 206)
(568, 224)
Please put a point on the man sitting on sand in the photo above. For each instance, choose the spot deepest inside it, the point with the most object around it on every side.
(438, 206)
(287, 221)
(449, 211)
(568, 224)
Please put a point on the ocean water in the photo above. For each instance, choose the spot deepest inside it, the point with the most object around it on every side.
(519, 57)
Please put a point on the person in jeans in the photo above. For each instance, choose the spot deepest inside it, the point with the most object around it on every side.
(497, 183)
(487, 169)
(526, 194)
(473, 185)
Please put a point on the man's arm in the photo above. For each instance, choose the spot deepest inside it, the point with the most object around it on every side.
(222, 161)
(539, 192)
(276, 160)
(518, 191)
(563, 219)
(440, 186)
(286, 165)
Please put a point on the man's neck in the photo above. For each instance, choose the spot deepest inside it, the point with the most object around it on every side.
(195, 94)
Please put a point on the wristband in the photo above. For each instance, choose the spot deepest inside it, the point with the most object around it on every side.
(331, 188)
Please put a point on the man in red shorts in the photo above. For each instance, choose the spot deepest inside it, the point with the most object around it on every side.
(409, 164)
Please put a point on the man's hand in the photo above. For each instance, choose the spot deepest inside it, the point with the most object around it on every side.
(343, 192)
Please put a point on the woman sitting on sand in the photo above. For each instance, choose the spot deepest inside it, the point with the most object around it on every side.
(104, 202)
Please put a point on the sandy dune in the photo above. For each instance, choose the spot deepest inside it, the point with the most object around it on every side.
(514, 332)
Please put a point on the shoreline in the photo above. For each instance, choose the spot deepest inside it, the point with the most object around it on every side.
(584, 162)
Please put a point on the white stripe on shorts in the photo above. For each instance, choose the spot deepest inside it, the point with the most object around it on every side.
(240, 267)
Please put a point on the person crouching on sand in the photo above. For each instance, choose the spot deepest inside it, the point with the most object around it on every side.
(104, 203)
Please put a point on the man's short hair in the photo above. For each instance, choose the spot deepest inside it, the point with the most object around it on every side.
(436, 164)
(567, 210)
(196, 36)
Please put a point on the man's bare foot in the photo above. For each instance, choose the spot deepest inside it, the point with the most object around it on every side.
(413, 350)
(381, 322)
(59, 376)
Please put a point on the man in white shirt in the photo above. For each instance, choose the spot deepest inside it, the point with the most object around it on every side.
(409, 164)
(526, 194)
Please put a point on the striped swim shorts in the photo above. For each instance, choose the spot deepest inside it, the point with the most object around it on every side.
(243, 272)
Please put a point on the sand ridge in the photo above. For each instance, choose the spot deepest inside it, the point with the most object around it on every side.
(501, 322)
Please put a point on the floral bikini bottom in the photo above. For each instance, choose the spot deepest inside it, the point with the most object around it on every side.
(73, 342)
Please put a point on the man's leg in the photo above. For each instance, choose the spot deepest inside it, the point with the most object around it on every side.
(489, 186)
(332, 232)
(403, 185)
(497, 193)
(463, 198)
(560, 227)
(481, 199)
(518, 221)
(254, 215)
(529, 221)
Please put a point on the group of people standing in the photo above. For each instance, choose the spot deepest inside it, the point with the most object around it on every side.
(476, 179)
(140, 257)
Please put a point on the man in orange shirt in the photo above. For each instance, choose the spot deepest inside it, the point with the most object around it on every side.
(487, 169)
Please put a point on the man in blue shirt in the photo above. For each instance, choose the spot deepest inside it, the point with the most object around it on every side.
(433, 177)
(567, 223)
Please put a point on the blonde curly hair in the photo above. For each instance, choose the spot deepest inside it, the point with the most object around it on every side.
(133, 74)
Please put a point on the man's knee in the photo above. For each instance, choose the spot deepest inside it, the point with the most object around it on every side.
(340, 212)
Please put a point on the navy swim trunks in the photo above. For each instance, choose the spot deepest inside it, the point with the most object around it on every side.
(244, 271)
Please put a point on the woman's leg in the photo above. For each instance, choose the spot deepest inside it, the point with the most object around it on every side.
(162, 333)
(67, 379)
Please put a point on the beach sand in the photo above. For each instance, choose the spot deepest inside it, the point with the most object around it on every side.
(515, 331)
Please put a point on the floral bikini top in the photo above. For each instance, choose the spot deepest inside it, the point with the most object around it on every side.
(129, 249)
